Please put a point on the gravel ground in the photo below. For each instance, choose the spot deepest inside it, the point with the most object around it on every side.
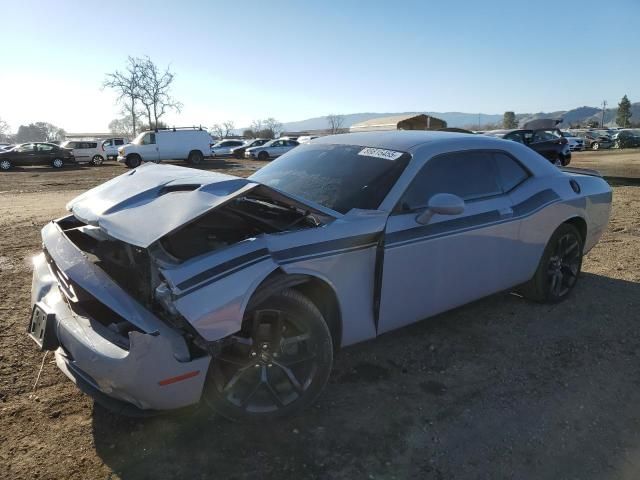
(501, 388)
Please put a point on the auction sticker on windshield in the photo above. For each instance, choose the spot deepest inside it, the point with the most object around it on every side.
(380, 153)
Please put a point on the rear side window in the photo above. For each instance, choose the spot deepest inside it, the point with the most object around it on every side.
(510, 172)
(119, 141)
(469, 175)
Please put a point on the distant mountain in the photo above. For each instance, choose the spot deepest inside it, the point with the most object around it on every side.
(453, 119)
(580, 115)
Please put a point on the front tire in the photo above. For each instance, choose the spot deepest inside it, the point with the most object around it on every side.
(195, 157)
(276, 365)
(263, 156)
(559, 267)
(133, 161)
(5, 165)
(595, 146)
(97, 160)
(57, 163)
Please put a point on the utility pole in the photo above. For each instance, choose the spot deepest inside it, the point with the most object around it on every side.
(604, 107)
(478, 121)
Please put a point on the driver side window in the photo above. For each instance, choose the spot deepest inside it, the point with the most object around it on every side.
(149, 139)
(469, 175)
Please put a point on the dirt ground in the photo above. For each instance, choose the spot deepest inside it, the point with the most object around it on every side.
(501, 388)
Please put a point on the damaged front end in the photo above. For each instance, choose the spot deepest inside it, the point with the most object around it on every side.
(110, 272)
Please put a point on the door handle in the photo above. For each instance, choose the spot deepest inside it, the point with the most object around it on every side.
(506, 212)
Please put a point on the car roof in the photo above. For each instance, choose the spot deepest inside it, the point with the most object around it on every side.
(403, 140)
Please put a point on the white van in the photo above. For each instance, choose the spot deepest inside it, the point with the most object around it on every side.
(191, 144)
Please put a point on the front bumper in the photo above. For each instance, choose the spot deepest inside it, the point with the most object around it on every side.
(121, 159)
(249, 154)
(146, 375)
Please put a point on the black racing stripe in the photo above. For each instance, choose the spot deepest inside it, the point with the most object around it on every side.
(328, 254)
(221, 276)
(522, 209)
(328, 246)
(441, 228)
(222, 268)
(534, 202)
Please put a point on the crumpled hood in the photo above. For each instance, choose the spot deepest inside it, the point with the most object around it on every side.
(145, 204)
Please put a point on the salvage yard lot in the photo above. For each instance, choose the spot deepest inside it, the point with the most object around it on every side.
(501, 388)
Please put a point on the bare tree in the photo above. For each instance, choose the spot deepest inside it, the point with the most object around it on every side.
(4, 130)
(155, 87)
(123, 126)
(273, 125)
(257, 126)
(218, 131)
(228, 127)
(335, 123)
(127, 86)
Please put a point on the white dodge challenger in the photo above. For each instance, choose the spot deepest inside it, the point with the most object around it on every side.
(167, 286)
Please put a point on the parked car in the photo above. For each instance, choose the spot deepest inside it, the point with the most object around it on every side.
(110, 147)
(241, 294)
(238, 152)
(576, 144)
(86, 151)
(190, 144)
(626, 139)
(595, 140)
(223, 147)
(271, 149)
(548, 142)
(36, 153)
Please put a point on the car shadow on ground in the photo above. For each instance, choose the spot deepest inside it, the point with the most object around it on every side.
(499, 388)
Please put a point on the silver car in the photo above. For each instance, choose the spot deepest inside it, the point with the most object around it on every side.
(168, 286)
(271, 149)
(224, 148)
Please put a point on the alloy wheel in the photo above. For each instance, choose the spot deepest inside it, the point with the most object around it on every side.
(564, 265)
(57, 163)
(5, 165)
(97, 160)
(269, 367)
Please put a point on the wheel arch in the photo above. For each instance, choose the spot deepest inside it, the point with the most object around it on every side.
(317, 289)
(580, 224)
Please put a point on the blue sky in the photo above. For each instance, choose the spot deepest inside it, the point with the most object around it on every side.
(293, 60)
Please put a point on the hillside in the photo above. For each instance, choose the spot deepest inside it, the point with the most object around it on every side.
(460, 119)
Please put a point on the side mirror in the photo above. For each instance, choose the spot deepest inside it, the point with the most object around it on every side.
(442, 204)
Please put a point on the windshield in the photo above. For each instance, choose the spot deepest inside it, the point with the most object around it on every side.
(339, 177)
(138, 139)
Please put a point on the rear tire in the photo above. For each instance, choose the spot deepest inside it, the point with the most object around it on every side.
(559, 267)
(5, 165)
(57, 163)
(595, 146)
(195, 157)
(276, 365)
(97, 160)
(133, 161)
(263, 156)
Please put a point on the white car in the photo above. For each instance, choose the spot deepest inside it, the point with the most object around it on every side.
(86, 151)
(110, 146)
(575, 143)
(306, 138)
(190, 144)
(224, 147)
(271, 149)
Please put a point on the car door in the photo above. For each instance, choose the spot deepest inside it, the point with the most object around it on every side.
(546, 143)
(81, 152)
(453, 259)
(24, 154)
(148, 148)
(276, 148)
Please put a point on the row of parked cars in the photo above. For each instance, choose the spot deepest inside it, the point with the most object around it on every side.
(93, 152)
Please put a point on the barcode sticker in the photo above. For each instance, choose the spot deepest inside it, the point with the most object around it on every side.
(380, 153)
